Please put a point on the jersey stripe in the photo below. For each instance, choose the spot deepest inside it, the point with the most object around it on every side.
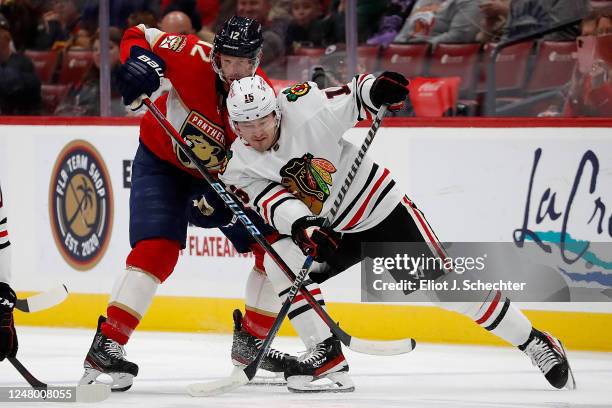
(361, 210)
(275, 205)
(348, 209)
(264, 192)
(265, 204)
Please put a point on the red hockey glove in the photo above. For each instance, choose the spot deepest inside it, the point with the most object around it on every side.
(313, 239)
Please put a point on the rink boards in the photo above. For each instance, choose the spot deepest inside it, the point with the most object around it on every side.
(61, 182)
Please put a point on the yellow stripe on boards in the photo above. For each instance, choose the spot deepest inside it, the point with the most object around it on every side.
(577, 330)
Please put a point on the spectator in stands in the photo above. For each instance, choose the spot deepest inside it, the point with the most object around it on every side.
(420, 20)
(84, 98)
(305, 28)
(273, 32)
(59, 23)
(368, 11)
(176, 22)
(494, 19)
(455, 21)
(204, 11)
(120, 10)
(525, 16)
(391, 22)
(19, 86)
(24, 18)
(146, 17)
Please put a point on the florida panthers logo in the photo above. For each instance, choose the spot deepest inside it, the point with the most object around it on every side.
(296, 91)
(309, 179)
(207, 140)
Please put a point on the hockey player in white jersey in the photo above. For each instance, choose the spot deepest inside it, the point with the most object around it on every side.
(8, 335)
(289, 164)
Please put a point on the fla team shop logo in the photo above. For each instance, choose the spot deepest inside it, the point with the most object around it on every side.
(81, 205)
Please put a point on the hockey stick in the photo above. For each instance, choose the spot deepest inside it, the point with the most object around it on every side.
(375, 347)
(43, 300)
(84, 393)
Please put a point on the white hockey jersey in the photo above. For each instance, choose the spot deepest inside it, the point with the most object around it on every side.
(304, 171)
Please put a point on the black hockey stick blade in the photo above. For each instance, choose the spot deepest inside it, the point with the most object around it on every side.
(43, 300)
(28, 376)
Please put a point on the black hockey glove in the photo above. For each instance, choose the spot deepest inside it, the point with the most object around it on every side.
(390, 87)
(313, 239)
(141, 74)
(8, 335)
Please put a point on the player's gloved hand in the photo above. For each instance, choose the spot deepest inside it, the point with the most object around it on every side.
(8, 335)
(390, 87)
(140, 74)
(313, 239)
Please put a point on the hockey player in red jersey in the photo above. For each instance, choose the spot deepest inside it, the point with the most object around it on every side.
(290, 161)
(165, 184)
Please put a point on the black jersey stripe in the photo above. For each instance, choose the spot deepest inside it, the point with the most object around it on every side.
(276, 204)
(382, 196)
(264, 192)
(348, 209)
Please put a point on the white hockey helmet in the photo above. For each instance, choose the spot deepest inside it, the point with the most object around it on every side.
(249, 99)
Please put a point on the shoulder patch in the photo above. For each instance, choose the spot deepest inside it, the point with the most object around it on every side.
(174, 43)
(296, 91)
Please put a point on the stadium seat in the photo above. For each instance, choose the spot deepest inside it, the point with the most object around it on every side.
(52, 96)
(408, 59)
(553, 66)
(44, 64)
(460, 60)
(434, 97)
(75, 65)
(510, 67)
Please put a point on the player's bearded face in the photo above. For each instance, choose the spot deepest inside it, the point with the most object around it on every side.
(260, 134)
(235, 68)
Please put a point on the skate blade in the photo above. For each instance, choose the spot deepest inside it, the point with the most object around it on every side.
(338, 382)
(119, 381)
(265, 378)
(571, 381)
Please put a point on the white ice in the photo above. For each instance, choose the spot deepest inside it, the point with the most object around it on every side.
(431, 376)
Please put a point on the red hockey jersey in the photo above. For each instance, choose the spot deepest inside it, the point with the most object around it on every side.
(194, 105)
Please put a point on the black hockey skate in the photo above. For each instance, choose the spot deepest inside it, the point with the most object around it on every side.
(106, 356)
(244, 349)
(324, 360)
(548, 354)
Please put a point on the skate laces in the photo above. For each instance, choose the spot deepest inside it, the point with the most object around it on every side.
(542, 354)
(114, 349)
(312, 355)
(273, 353)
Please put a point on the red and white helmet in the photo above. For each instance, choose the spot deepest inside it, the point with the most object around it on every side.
(249, 99)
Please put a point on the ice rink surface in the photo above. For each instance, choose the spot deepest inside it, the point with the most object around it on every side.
(431, 376)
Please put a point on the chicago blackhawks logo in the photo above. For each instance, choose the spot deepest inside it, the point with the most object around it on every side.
(308, 178)
(296, 91)
(81, 205)
(207, 140)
